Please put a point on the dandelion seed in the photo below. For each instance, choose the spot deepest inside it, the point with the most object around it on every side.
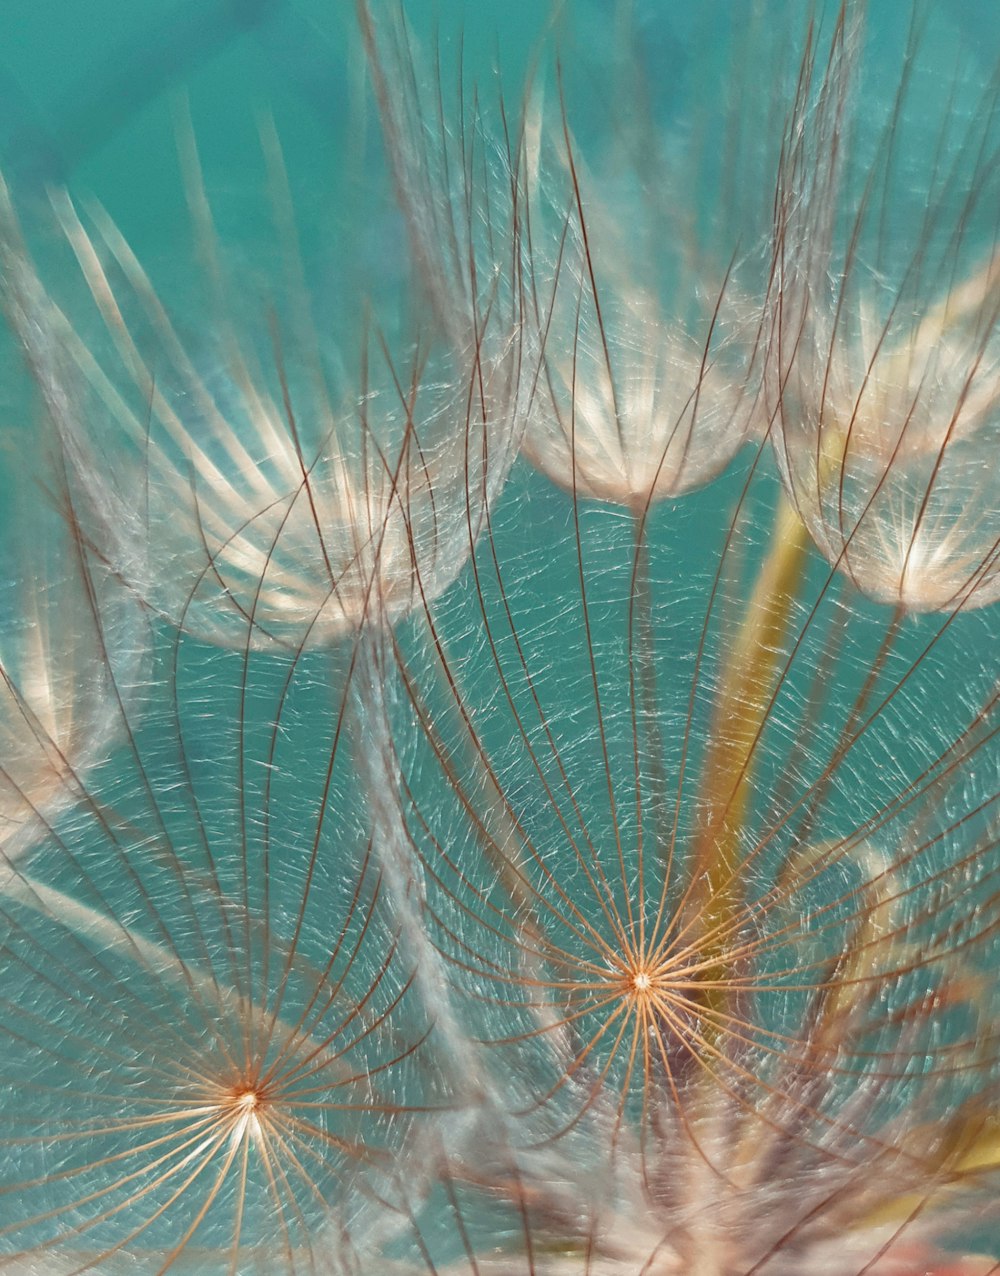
(657, 256)
(207, 1017)
(223, 497)
(889, 401)
(724, 936)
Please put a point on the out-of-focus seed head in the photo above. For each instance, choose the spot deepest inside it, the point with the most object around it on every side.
(649, 262)
(886, 345)
(226, 486)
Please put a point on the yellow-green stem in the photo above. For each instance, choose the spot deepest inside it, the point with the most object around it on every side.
(749, 676)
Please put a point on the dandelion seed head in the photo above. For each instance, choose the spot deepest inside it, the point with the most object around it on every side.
(893, 478)
(629, 908)
(888, 412)
(663, 421)
(650, 270)
(262, 493)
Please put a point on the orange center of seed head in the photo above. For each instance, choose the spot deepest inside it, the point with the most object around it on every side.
(245, 1108)
(641, 981)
